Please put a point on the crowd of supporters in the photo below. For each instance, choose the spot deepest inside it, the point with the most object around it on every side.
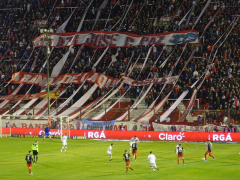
(22, 20)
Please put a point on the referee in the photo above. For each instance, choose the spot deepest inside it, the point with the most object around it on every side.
(35, 151)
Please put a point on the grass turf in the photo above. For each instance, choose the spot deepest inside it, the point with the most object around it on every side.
(87, 159)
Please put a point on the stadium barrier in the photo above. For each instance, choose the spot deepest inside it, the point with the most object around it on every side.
(126, 135)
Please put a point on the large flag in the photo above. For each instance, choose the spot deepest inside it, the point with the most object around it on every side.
(103, 39)
(102, 80)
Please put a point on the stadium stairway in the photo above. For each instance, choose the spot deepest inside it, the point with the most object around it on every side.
(192, 116)
(116, 111)
(142, 107)
(98, 110)
(119, 109)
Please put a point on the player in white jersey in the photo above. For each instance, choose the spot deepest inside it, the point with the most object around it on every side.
(64, 142)
(152, 159)
(109, 151)
(133, 140)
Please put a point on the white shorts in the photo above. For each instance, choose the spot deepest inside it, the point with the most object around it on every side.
(131, 144)
(64, 144)
(109, 153)
(153, 164)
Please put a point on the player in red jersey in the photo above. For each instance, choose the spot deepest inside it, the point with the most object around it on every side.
(209, 150)
(126, 157)
(179, 151)
(29, 160)
(134, 148)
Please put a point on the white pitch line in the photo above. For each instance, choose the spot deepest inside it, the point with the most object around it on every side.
(66, 154)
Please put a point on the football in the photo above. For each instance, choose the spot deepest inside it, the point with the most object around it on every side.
(203, 159)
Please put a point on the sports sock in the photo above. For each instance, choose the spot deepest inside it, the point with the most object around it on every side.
(34, 159)
(152, 168)
(183, 161)
(178, 161)
(135, 156)
(65, 148)
(205, 156)
(30, 170)
(37, 158)
(110, 157)
(127, 168)
(211, 155)
(62, 148)
(131, 168)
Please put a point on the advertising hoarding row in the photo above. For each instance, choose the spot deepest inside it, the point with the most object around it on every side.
(142, 135)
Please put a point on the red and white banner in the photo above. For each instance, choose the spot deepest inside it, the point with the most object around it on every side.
(163, 80)
(189, 128)
(142, 135)
(40, 79)
(100, 79)
(31, 123)
(102, 39)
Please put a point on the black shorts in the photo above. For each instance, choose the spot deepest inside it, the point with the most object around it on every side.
(35, 152)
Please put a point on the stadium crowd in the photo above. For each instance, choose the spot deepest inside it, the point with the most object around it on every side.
(22, 20)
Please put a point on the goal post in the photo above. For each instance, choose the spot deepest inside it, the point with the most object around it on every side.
(67, 127)
(33, 126)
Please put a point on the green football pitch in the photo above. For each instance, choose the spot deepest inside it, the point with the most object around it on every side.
(87, 159)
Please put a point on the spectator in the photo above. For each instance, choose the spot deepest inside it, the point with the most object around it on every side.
(122, 127)
(215, 129)
(173, 128)
(134, 127)
(199, 119)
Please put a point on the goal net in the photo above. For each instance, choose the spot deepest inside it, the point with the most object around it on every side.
(34, 126)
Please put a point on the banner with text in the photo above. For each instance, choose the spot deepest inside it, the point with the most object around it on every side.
(101, 80)
(186, 128)
(76, 124)
(40, 79)
(102, 39)
(85, 124)
(142, 135)
(32, 123)
(162, 80)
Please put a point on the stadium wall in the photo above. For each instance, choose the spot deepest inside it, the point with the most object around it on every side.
(126, 135)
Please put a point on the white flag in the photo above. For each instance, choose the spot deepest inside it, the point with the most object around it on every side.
(59, 65)
(103, 5)
(85, 12)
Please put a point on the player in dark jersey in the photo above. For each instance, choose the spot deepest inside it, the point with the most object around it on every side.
(134, 148)
(47, 133)
(126, 157)
(179, 151)
(29, 160)
(209, 150)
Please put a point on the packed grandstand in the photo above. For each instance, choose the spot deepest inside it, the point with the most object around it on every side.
(161, 61)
